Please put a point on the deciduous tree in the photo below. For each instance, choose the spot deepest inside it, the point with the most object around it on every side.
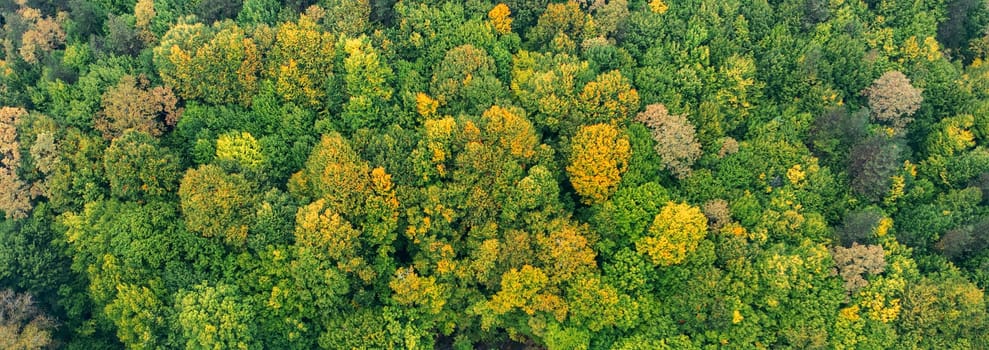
(675, 138)
(892, 100)
(598, 157)
(675, 232)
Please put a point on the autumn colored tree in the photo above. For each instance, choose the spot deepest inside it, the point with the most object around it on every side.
(598, 157)
(856, 261)
(610, 98)
(43, 34)
(217, 204)
(300, 61)
(675, 232)
(892, 100)
(22, 325)
(675, 138)
(334, 172)
(132, 104)
(218, 64)
(15, 200)
(500, 18)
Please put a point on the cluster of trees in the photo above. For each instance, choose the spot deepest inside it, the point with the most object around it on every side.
(606, 174)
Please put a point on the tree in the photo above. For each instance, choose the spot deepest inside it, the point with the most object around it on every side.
(351, 18)
(333, 172)
(138, 167)
(44, 33)
(22, 325)
(464, 81)
(892, 100)
(240, 149)
(218, 64)
(558, 24)
(599, 155)
(367, 85)
(15, 198)
(217, 204)
(132, 104)
(872, 163)
(500, 18)
(610, 98)
(675, 139)
(856, 261)
(215, 317)
(300, 61)
(675, 232)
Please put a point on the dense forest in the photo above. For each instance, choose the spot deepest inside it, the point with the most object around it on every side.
(532, 174)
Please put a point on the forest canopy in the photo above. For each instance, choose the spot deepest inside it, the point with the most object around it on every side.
(537, 174)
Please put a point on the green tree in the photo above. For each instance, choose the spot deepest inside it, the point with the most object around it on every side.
(215, 317)
(137, 166)
(217, 204)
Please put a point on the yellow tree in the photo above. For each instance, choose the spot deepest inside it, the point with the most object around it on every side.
(240, 148)
(499, 17)
(300, 61)
(598, 158)
(675, 232)
(335, 172)
(511, 131)
(219, 64)
(565, 252)
(610, 98)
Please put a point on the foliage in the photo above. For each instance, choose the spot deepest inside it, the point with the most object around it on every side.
(598, 158)
(579, 174)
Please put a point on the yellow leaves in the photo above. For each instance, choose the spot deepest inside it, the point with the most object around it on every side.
(438, 134)
(599, 156)
(241, 148)
(524, 289)
(144, 12)
(879, 308)
(883, 227)
(499, 17)
(675, 232)
(658, 6)
(381, 180)
(322, 229)
(796, 174)
(736, 317)
(425, 105)
(411, 289)
(510, 131)
(850, 313)
(566, 250)
(609, 98)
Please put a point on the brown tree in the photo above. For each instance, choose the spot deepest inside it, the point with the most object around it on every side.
(675, 138)
(22, 325)
(133, 105)
(854, 262)
(893, 99)
(15, 197)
